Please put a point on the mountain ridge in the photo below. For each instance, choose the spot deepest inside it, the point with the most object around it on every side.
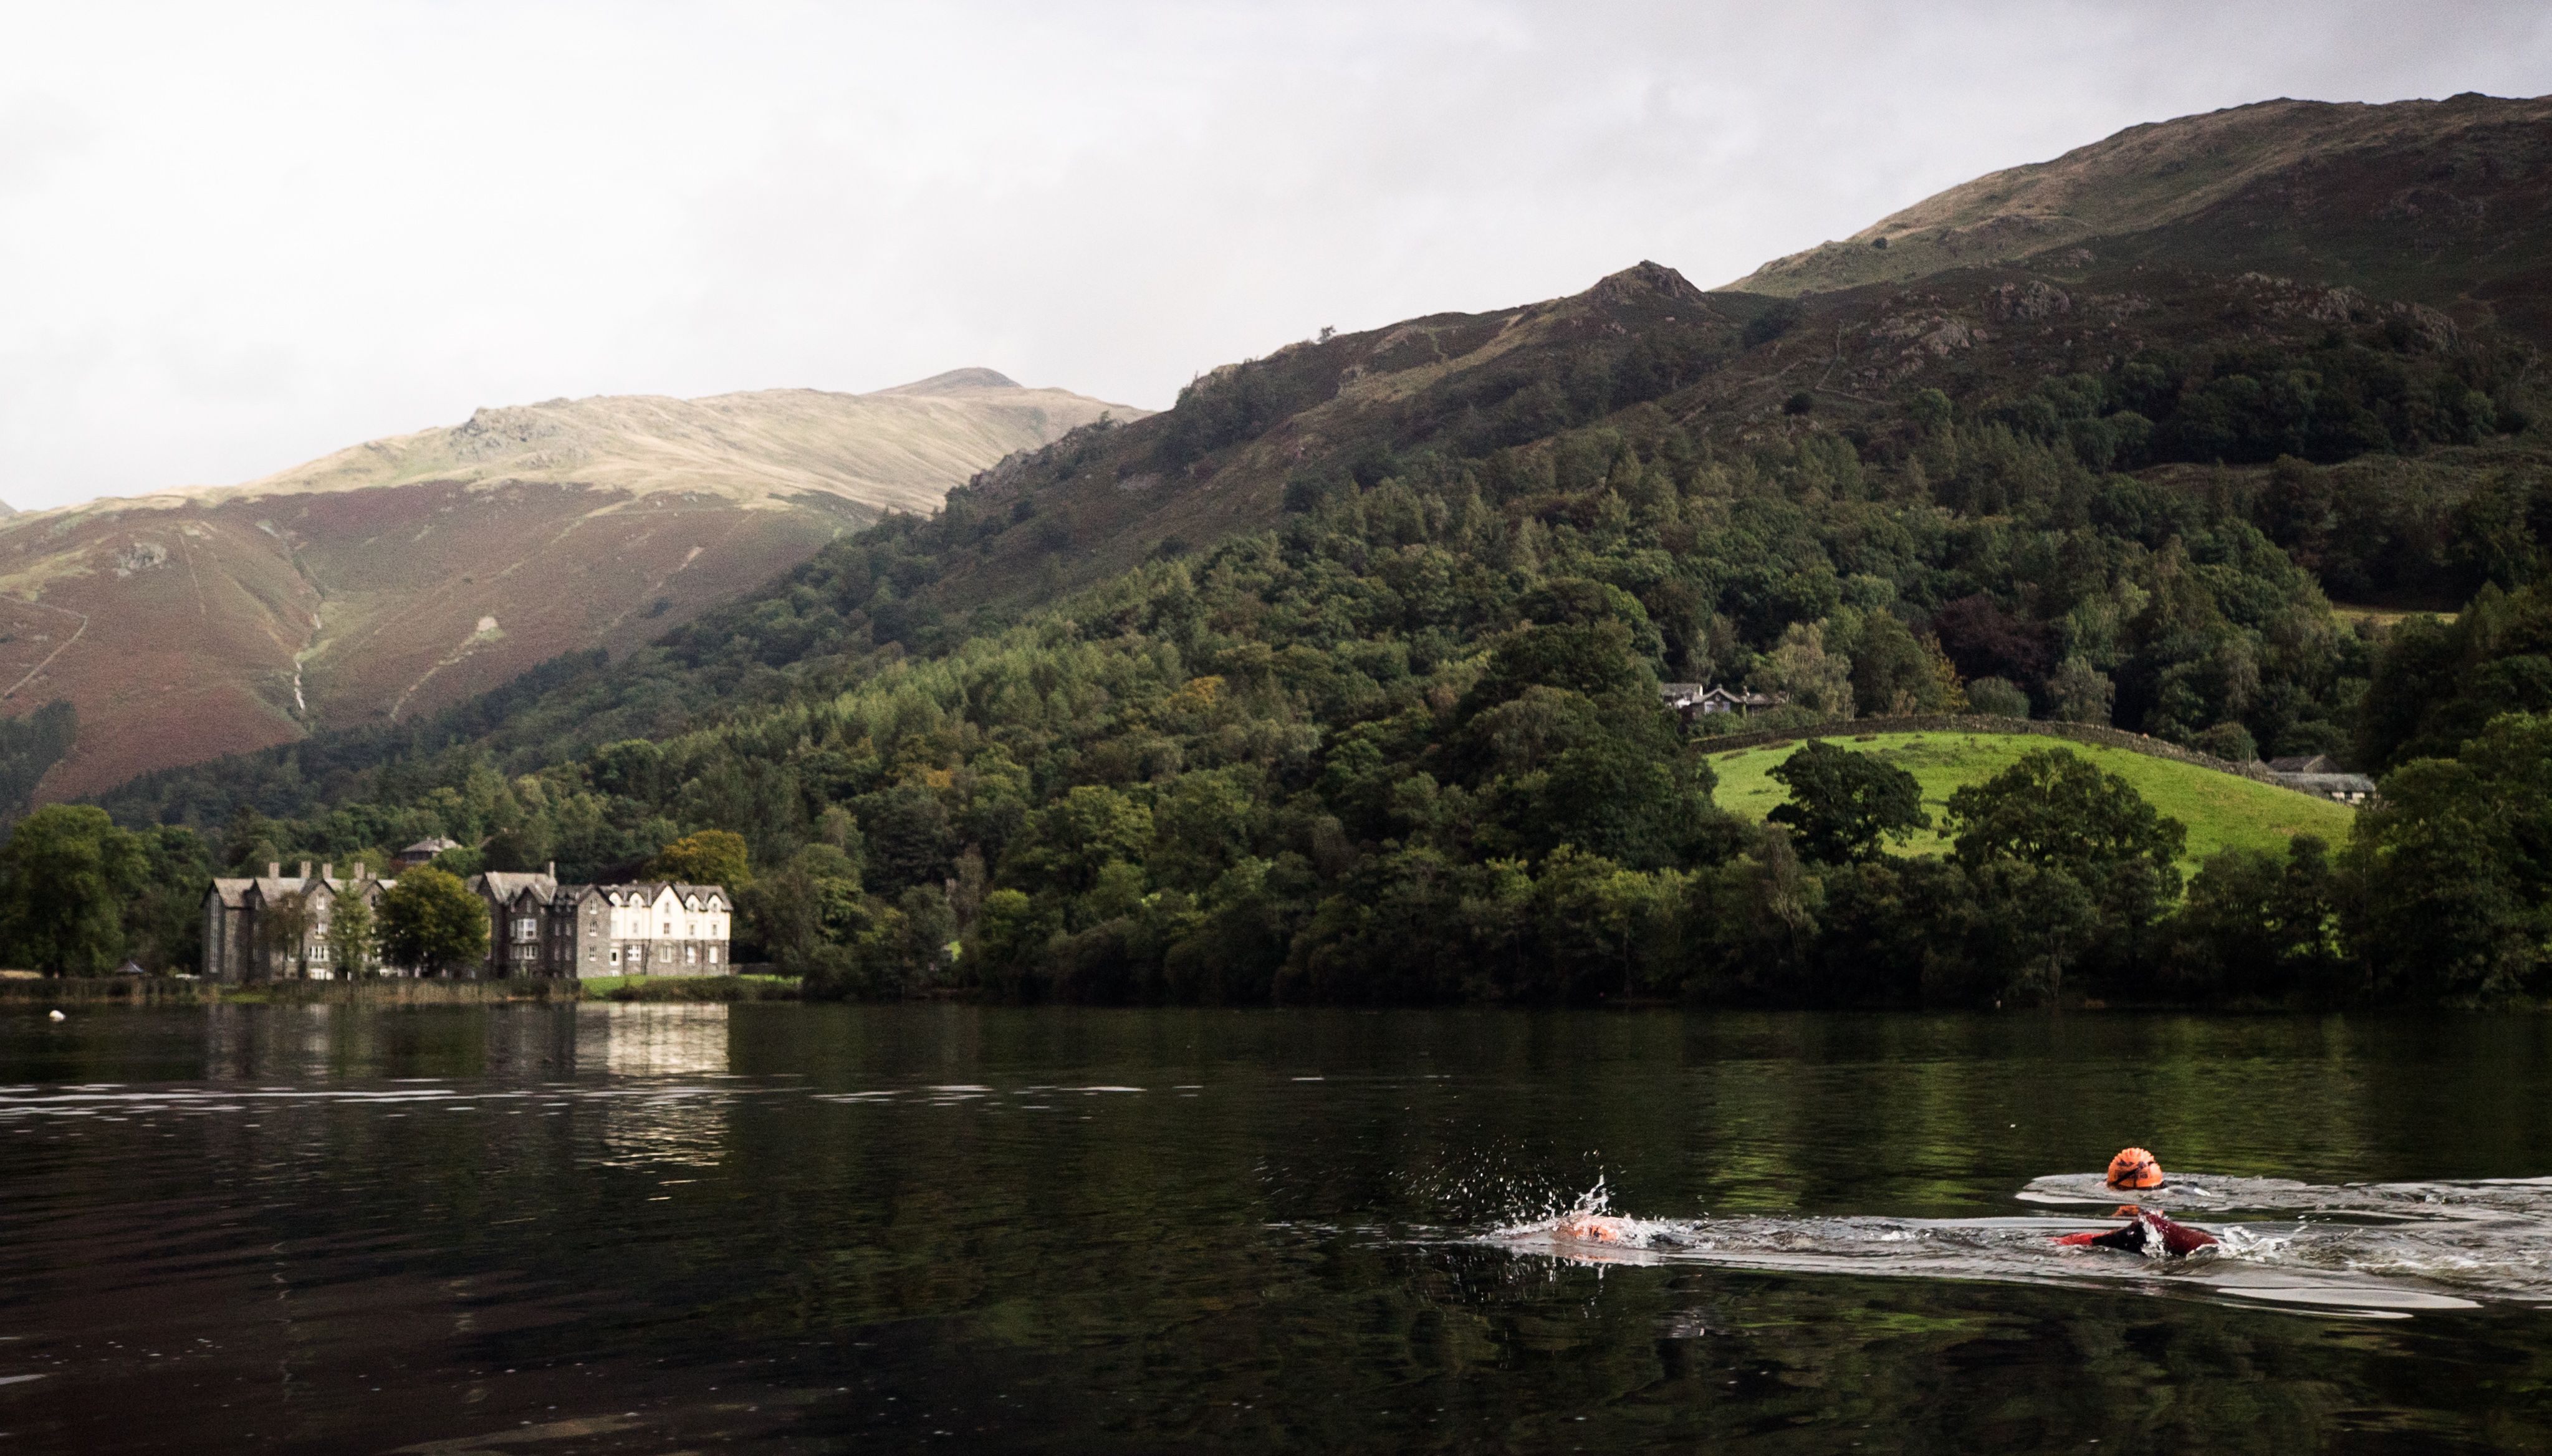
(565, 441)
(2468, 178)
(394, 576)
(2186, 381)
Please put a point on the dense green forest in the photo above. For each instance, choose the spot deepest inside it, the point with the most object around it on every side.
(1406, 745)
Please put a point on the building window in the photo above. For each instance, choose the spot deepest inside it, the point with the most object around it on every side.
(616, 958)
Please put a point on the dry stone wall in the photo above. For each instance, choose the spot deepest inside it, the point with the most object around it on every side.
(2091, 733)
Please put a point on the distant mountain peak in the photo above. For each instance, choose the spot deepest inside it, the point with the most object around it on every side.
(955, 380)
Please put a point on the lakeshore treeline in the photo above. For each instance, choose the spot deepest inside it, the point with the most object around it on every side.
(1407, 746)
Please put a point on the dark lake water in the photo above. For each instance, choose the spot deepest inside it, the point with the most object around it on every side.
(551, 1230)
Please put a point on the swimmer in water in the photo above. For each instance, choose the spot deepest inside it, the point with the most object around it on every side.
(1595, 1229)
(2146, 1229)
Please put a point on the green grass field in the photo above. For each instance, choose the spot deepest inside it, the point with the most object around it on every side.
(2221, 811)
(2348, 617)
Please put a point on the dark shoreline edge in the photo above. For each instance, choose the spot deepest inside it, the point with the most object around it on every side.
(152, 990)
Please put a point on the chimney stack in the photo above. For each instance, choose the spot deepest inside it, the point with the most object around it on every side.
(328, 870)
(273, 870)
(306, 872)
(552, 871)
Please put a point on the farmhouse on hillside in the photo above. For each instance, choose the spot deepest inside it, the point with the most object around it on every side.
(423, 852)
(1696, 700)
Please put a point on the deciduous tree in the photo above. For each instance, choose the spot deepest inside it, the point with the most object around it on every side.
(432, 922)
(350, 936)
(283, 933)
(2056, 810)
(2451, 870)
(65, 878)
(1842, 803)
(710, 857)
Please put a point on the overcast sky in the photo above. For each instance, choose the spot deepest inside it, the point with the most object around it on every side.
(235, 237)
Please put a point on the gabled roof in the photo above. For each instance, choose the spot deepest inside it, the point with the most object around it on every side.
(233, 891)
(504, 885)
(653, 891)
(276, 888)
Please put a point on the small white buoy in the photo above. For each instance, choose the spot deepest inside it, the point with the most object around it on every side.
(58, 1017)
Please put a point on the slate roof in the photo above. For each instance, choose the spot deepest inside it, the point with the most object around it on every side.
(234, 891)
(645, 892)
(503, 885)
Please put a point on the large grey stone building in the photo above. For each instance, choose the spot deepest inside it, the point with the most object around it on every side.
(650, 929)
(536, 926)
(242, 918)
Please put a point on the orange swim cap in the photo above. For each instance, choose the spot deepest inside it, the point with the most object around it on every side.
(2135, 1168)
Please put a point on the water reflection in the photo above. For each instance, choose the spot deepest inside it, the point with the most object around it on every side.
(674, 1126)
(643, 1040)
(795, 1228)
(503, 1044)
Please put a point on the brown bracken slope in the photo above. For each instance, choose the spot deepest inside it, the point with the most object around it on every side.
(400, 575)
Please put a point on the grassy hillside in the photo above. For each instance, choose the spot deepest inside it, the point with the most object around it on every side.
(2029, 462)
(2221, 811)
(1338, 681)
(397, 577)
(2438, 201)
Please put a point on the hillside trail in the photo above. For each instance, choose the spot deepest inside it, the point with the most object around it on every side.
(31, 672)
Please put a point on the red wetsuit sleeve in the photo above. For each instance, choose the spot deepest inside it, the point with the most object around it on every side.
(2180, 1238)
(2176, 1239)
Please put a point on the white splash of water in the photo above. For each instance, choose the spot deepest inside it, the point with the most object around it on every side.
(2378, 1251)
